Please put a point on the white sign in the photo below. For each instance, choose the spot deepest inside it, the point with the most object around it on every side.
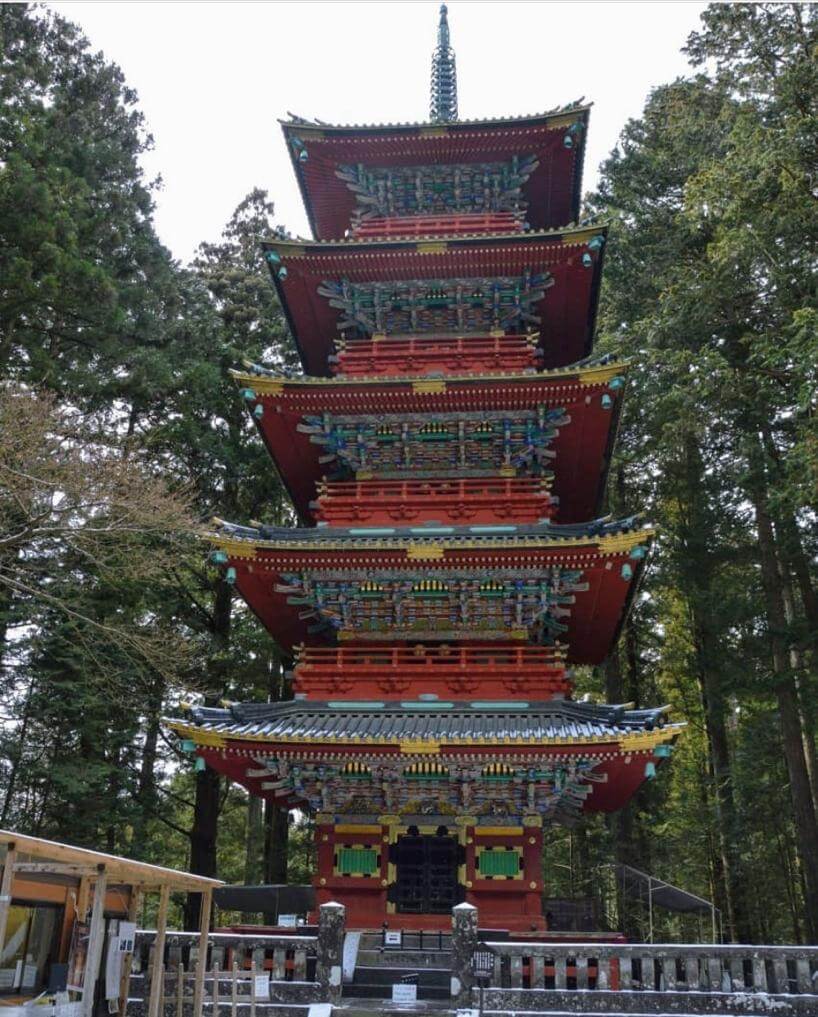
(261, 987)
(113, 968)
(404, 993)
(288, 921)
(392, 938)
(127, 932)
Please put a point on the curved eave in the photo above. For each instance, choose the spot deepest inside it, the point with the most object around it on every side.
(595, 616)
(419, 126)
(419, 540)
(568, 309)
(625, 743)
(588, 375)
(376, 136)
(300, 246)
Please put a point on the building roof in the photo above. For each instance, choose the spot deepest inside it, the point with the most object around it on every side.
(552, 193)
(589, 393)
(545, 534)
(599, 565)
(565, 308)
(119, 869)
(446, 723)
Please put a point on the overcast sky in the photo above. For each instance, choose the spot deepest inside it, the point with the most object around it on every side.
(214, 77)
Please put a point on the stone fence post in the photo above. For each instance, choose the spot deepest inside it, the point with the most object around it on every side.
(330, 950)
(464, 943)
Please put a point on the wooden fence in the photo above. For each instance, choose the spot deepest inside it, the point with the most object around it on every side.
(240, 971)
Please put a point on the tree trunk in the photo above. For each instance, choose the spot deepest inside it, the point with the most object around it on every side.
(696, 571)
(204, 832)
(276, 842)
(17, 758)
(790, 720)
(629, 848)
(720, 770)
(203, 838)
(801, 678)
(146, 785)
(254, 842)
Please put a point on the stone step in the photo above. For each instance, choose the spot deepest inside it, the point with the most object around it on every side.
(426, 993)
(358, 1007)
(412, 940)
(405, 958)
(376, 982)
(426, 977)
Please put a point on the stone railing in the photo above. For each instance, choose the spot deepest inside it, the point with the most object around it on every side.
(654, 967)
(639, 978)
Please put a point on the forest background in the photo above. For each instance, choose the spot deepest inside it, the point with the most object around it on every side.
(121, 433)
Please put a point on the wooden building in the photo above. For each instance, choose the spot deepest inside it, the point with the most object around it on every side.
(62, 910)
(447, 454)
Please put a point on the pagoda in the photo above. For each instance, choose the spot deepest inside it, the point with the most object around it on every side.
(446, 453)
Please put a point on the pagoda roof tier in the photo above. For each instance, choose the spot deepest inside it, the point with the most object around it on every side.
(432, 671)
(524, 282)
(572, 584)
(290, 413)
(483, 756)
(550, 192)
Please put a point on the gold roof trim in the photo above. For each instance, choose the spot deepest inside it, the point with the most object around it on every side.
(298, 247)
(616, 543)
(591, 375)
(563, 116)
(627, 743)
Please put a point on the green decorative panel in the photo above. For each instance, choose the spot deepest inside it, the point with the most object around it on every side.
(499, 863)
(355, 861)
(475, 304)
(438, 189)
(452, 444)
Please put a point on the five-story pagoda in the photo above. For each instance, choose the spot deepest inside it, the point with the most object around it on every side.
(445, 452)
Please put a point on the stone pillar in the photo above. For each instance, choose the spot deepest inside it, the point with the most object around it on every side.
(330, 950)
(464, 943)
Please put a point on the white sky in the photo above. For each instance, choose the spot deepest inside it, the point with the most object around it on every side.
(214, 77)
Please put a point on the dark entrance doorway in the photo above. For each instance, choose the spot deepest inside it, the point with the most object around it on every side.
(426, 874)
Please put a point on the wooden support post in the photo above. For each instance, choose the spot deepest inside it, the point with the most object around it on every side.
(180, 989)
(134, 907)
(215, 990)
(252, 988)
(234, 991)
(158, 968)
(5, 891)
(96, 938)
(83, 892)
(201, 957)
